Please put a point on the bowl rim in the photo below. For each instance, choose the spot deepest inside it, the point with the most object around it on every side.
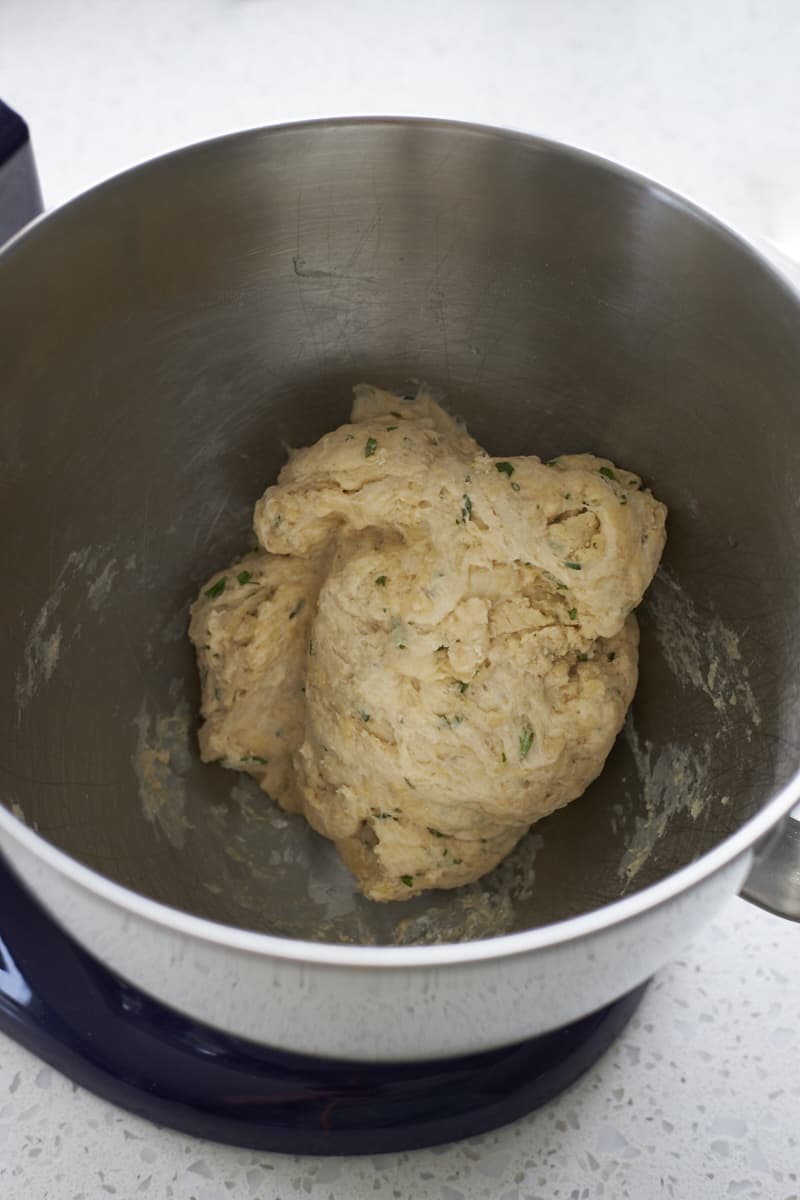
(608, 916)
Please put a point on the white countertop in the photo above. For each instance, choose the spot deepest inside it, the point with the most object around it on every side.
(700, 1097)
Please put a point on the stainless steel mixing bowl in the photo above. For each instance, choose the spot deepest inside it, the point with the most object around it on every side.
(165, 338)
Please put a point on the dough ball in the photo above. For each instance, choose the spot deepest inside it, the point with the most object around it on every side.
(464, 653)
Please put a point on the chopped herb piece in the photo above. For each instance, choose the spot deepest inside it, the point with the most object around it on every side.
(612, 655)
(462, 687)
(503, 757)
(561, 586)
(243, 577)
(364, 716)
(609, 474)
(301, 603)
(434, 441)
(435, 832)
(457, 862)
(217, 588)
(391, 428)
(525, 742)
(410, 784)
(381, 581)
(553, 462)
(582, 656)
(573, 614)
(370, 447)
(515, 486)
(408, 880)
(349, 437)
(401, 645)
(392, 413)
(505, 468)
(457, 719)
(256, 758)
(573, 566)
(466, 509)
(276, 520)
(567, 495)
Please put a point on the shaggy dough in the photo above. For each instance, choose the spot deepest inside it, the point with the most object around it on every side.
(436, 647)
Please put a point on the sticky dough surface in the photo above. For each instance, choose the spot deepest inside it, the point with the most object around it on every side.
(434, 648)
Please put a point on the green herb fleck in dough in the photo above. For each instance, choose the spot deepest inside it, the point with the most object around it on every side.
(410, 784)
(573, 566)
(408, 880)
(364, 716)
(505, 468)
(583, 656)
(391, 428)
(243, 577)
(301, 603)
(217, 588)
(466, 509)
(395, 414)
(573, 614)
(381, 581)
(553, 462)
(609, 474)
(612, 655)
(525, 742)
(462, 687)
(503, 757)
(371, 447)
(256, 758)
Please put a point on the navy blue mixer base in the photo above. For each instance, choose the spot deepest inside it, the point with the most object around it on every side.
(59, 1002)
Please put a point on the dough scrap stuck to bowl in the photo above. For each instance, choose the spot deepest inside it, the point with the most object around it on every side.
(434, 648)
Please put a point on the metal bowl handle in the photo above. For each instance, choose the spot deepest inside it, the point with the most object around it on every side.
(774, 879)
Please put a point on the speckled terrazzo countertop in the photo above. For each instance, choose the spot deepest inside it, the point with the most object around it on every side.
(700, 1097)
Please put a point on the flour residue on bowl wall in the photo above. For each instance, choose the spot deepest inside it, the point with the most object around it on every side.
(671, 779)
(703, 654)
(161, 760)
(46, 640)
(43, 644)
